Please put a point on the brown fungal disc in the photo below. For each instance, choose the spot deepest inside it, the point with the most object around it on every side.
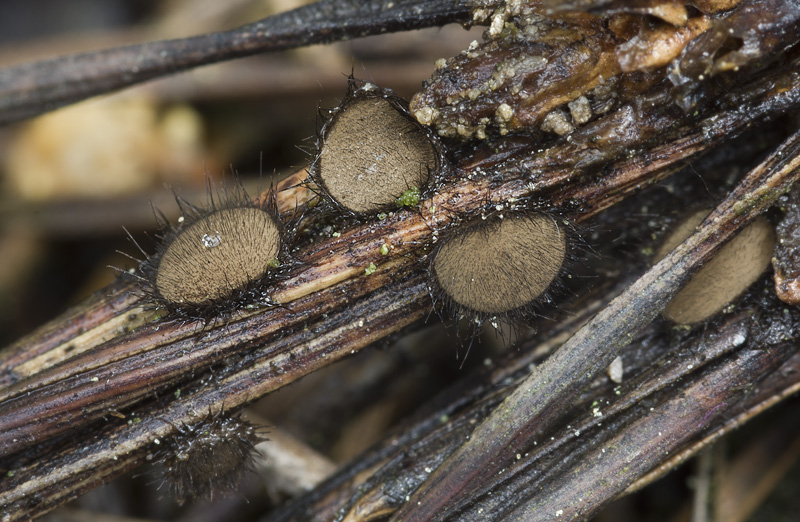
(217, 255)
(734, 268)
(502, 265)
(372, 154)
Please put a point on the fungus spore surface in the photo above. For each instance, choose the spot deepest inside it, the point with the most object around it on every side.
(502, 264)
(734, 268)
(372, 154)
(218, 254)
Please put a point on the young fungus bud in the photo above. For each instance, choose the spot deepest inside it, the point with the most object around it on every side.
(209, 457)
(372, 152)
(502, 265)
(730, 272)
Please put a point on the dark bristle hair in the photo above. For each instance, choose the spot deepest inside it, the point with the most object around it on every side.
(217, 259)
(500, 267)
(208, 458)
(371, 151)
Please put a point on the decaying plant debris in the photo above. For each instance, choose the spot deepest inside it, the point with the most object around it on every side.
(569, 107)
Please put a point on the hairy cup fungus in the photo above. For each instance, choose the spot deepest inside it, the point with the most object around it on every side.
(214, 259)
(209, 457)
(500, 266)
(372, 152)
(726, 276)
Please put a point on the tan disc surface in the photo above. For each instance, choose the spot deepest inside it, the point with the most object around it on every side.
(734, 268)
(220, 253)
(372, 155)
(501, 266)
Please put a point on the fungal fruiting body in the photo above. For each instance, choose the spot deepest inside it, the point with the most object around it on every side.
(372, 152)
(500, 266)
(216, 257)
(730, 272)
(218, 254)
(209, 457)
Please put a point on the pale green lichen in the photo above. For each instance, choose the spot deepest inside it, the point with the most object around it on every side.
(274, 262)
(754, 200)
(384, 249)
(370, 269)
(410, 198)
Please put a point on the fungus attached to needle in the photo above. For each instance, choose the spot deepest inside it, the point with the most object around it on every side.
(218, 254)
(372, 151)
(214, 260)
(729, 273)
(210, 457)
(501, 266)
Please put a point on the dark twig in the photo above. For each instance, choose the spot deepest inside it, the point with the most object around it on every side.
(534, 405)
(30, 89)
(740, 353)
(598, 478)
(58, 398)
(324, 265)
(117, 445)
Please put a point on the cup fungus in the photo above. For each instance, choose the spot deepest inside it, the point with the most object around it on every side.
(730, 272)
(501, 266)
(372, 151)
(209, 457)
(213, 261)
